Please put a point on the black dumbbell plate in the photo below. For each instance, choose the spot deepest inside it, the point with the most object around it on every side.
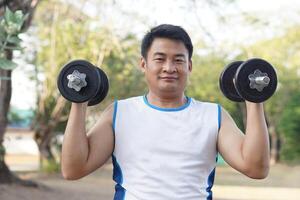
(242, 82)
(92, 79)
(226, 82)
(104, 87)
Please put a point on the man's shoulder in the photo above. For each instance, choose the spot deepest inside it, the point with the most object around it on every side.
(210, 108)
(204, 103)
(133, 99)
(129, 98)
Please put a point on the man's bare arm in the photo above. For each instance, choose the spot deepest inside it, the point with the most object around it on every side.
(247, 153)
(82, 152)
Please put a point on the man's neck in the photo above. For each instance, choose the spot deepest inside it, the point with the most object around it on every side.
(166, 101)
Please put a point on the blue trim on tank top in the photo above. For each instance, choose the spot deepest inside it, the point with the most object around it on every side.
(118, 178)
(117, 171)
(168, 109)
(115, 115)
(211, 176)
(219, 116)
(210, 183)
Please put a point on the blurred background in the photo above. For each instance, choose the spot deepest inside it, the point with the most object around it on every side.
(38, 38)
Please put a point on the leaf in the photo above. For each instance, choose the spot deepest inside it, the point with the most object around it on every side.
(7, 64)
(14, 48)
(9, 15)
(19, 18)
(15, 40)
(13, 21)
(2, 34)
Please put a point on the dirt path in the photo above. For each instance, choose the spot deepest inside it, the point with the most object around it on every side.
(97, 186)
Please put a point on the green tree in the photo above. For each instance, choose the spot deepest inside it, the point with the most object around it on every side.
(289, 128)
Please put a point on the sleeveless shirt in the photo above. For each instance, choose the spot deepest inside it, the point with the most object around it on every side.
(164, 153)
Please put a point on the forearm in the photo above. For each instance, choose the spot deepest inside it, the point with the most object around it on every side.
(75, 145)
(255, 148)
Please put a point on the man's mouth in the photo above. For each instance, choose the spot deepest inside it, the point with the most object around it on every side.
(168, 78)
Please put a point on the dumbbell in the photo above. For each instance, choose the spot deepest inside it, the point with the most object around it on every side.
(80, 81)
(254, 80)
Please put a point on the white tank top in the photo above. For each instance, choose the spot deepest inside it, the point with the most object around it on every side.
(164, 153)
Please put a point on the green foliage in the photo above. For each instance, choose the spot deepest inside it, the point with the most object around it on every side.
(121, 65)
(50, 166)
(289, 127)
(7, 64)
(10, 28)
(68, 34)
(2, 153)
(13, 21)
(204, 83)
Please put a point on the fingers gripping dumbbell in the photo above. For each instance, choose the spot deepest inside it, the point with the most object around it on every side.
(254, 80)
(80, 81)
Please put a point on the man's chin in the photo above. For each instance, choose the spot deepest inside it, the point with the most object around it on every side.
(169, 89)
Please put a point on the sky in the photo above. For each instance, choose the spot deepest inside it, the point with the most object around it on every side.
(194, 16)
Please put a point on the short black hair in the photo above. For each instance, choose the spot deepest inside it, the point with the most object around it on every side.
(166, 31)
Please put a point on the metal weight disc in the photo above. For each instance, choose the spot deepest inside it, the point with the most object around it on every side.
(226, 82)
(242, 82)
(104, 87)
(86, 93)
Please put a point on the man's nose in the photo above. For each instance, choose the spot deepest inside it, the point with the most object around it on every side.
(169, 67)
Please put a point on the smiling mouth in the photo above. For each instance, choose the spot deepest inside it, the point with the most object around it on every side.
(169, 78)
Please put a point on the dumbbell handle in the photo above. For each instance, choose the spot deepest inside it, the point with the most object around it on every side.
(262, 80)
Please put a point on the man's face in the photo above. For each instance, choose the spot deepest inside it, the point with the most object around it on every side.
(167, 66)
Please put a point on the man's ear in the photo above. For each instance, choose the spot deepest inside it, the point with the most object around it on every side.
(143, 64)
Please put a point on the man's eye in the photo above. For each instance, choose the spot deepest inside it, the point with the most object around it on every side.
(158, 59)
(179, 60)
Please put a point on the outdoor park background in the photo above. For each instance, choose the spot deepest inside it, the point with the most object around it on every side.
(108, 34)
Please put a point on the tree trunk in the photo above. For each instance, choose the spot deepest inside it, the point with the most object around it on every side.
(274, 145)
(274, 141)
(28, 7)
(43, 138)
(44, 132)
(6, 176)
(5, 95)
(242, 108)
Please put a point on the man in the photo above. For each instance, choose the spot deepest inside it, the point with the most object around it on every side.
(164, 144)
